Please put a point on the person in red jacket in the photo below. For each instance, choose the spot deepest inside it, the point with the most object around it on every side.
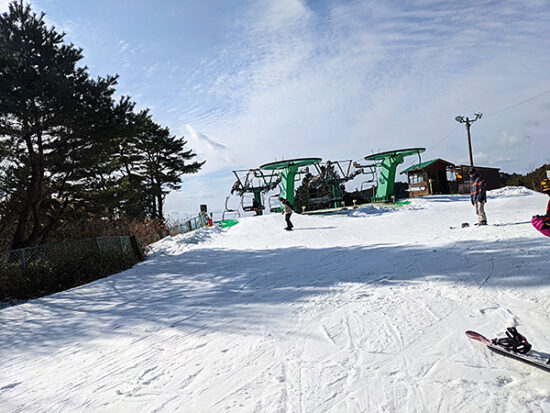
(478, 195)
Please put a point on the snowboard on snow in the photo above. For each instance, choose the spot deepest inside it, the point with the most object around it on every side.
(463, 225)
(467, 225)
(529, 359)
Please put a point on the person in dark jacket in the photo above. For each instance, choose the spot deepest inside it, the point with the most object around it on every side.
(256, 206)
(287, 212)
(478, 195)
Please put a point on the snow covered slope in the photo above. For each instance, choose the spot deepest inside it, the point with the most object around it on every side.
(361, 312)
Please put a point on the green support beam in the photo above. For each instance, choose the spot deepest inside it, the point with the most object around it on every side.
(388, 166)
(289, 169)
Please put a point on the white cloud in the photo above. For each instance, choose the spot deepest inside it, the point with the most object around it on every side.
(216, 154)
(123, 46)
(4, 5)
(486, 159)
(205, 141)
(509, 140)
(151, 70)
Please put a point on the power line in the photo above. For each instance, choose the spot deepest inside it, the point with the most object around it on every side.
(519, 103)
(494, 113)
(446, 136)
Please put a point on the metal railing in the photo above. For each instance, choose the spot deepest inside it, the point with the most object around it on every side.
(191, 225)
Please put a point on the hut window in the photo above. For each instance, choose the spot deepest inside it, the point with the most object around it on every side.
(417, 177)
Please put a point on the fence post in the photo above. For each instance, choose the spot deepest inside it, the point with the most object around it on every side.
(23, 260)
(99, 252)
(137, 250)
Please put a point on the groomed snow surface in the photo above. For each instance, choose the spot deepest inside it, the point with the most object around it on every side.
(357, 312)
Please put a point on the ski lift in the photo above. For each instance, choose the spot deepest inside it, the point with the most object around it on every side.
(229, 210)
(251, 185)
(247, 202)
(274, 203)
(370, 171)
(329, 182)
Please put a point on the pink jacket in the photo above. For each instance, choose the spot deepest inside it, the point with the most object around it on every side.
(542, 224)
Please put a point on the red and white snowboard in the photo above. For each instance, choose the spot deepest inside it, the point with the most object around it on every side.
(533, 359)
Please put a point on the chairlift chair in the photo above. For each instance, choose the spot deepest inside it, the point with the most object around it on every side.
(249, 207)
(227, 209)
(274, 203)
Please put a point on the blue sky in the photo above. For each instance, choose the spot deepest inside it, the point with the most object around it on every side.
(249, 82)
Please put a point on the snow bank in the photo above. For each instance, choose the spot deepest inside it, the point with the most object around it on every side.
(182, 242)
(510, 191)
(370, 210)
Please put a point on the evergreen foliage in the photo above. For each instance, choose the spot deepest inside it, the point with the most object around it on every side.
(317, 192)
(530, 180)
(68, 150)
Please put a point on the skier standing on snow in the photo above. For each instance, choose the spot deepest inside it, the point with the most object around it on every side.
(287, 212)
(478, 195)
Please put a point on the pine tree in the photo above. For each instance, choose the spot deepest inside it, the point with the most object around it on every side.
(165, 162)
(67, 149)
(52, 119)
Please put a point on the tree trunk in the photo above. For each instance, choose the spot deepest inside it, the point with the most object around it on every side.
(33, 199)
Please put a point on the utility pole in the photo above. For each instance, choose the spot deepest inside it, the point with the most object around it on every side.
(468, 122)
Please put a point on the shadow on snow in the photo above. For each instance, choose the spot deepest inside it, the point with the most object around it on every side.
(205, 290)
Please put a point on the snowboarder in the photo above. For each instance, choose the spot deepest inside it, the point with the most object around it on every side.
(542, 224)
(288, 212)
(478, 195)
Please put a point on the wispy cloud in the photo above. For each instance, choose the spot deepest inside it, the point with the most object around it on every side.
(123, 46)
(369, 75)
(512, 140)
(486, 159)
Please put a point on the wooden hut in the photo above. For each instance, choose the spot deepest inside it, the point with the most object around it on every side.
(428, 178)
(491, 176)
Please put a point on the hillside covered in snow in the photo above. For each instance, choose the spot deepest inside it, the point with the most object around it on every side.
(363, 311)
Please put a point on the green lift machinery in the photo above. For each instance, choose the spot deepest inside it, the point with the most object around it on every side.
(387, 163)
(288, 171)
(331, 177)
(255, 182)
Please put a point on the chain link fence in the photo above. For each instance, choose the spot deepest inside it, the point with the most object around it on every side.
(36, 271)
(45, 269)
(66, 251)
